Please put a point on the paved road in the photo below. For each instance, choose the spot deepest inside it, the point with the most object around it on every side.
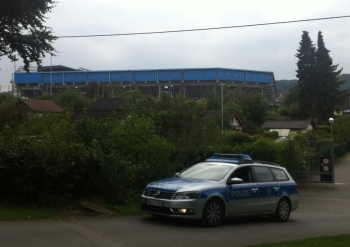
(324, 210)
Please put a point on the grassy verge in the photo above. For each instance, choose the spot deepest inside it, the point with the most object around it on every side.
(24, 213)
(334, 241)
(128, 210)
(17, 212)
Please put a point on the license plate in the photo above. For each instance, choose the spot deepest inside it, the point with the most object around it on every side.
(155, 202)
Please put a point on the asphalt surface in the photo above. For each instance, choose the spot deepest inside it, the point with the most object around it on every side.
(324, 211)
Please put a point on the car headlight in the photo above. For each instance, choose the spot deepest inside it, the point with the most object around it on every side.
(187, 195)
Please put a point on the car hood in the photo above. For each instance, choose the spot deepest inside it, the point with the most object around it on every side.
(180, 184)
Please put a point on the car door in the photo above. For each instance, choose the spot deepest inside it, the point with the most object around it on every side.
(269, 189)
(243, 197)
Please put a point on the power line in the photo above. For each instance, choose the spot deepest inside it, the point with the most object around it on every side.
(200, 29)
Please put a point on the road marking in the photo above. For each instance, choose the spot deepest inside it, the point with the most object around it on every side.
(101, 238)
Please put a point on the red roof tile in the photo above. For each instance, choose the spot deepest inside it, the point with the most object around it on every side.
(41, 105)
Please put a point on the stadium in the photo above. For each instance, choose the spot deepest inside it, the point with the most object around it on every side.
(192, 83)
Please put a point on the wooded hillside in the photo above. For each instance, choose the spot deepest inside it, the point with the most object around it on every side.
(284, 85)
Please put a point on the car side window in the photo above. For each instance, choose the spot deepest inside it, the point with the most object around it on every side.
(263, 174)
(244, 173)
(280, 174)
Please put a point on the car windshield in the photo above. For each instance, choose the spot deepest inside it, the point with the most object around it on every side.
(206, 171)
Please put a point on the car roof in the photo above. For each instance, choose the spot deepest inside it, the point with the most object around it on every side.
(237, 159)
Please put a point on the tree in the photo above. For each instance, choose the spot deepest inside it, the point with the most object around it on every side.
(292, 97)
(327, 92)
(22, 30)
(72, 100)
(305, 74)
(13, 115)
(254, 107)
(92, 90)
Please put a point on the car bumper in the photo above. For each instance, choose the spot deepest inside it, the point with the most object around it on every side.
(295, 201)
(173, 208)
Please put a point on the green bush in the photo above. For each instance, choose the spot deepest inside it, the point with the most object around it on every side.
(271, 135)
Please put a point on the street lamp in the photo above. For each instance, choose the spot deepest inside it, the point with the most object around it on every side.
(222, 108)
(331, 121)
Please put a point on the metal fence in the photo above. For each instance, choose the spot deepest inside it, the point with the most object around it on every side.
(311, 161)
(341, 150)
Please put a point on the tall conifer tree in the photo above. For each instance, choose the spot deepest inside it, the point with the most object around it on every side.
(305, 74)
(327, 92)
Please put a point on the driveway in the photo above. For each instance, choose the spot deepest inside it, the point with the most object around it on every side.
(324, 211)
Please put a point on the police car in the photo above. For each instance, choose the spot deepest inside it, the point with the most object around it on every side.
(224, 185)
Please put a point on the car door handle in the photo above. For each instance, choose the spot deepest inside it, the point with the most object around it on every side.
(276, 188)
(254, 189)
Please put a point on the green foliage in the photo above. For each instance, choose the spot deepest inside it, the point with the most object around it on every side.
(49, 159)
(300, 137)
(25, 213)
(13, 115)
(327, 92)
(305, 74)
(323, 127)
(237, 138)
(254, 107)
(45, 96)
(318, 80)
(341, 130)
(292, 97)
(114, 90)
(71, 99)
(264, 149)
(22, 30)
(283, 111)
(92, 90)
(137, 102)
(294, 110)
(271, 135)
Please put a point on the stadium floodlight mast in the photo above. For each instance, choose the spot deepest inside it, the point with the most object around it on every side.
(331, 121)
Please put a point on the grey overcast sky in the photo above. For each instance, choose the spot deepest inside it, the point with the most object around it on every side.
(266, 48)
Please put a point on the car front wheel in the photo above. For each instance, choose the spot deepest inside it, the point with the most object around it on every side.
(282, 211)
(213, 213)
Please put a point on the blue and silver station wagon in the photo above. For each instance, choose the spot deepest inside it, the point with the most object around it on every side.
(224, 185)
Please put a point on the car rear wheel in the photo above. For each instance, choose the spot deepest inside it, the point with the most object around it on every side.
(283, 210)
(213, 213)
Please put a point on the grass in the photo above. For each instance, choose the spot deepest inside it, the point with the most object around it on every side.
(127, 210)
(334, 241)
(25, 213)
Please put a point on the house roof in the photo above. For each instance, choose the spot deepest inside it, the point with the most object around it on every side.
(41, 105)
(109, 104)
(295, 124)
(238, 119)
(101, 109)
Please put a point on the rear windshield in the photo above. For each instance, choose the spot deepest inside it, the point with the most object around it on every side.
(206, 171)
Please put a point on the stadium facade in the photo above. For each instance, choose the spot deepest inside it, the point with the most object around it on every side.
(192, 83)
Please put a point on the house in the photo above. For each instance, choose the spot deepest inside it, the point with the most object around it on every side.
(38, 107)
(236, 122)
(285, 128)
(101, 109)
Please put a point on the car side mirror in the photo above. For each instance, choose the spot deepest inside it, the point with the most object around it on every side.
(235, 181)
